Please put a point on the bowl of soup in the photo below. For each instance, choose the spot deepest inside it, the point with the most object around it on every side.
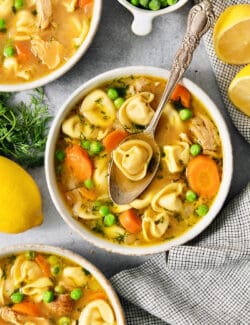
(45, 285)
(192, 180)
(41, 40)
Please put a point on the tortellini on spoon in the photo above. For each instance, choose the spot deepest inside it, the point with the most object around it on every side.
(132, 158)
(97, 312)
(136, 110)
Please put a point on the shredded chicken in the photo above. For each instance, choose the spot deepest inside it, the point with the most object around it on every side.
(13, 318)
(205, 133)
(62, 306)
(44, 12)
(9, 315)
(50, 53)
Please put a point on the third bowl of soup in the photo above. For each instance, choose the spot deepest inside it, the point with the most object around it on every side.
(191, 183)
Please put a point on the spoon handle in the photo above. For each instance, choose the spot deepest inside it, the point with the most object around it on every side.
(200, 19)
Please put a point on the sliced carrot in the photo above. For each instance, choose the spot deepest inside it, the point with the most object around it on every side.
(44, 265)
(203, 176)
(113, 139)
(23, 51)
(88, 194)
(27, 308)
(130, 221)
(78, 161)
(181, 94)
(91, 296)
(82, 3)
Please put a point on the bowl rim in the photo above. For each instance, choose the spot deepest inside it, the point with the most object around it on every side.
(78, 259)
(151, 13)
(140, 250)
(97, 10)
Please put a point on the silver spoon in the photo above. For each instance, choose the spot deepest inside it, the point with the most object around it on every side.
(121, 189)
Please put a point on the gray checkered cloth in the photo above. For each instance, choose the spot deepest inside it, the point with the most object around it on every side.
(206, 282)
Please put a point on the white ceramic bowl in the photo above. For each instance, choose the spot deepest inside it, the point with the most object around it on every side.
(51, 177)
(97, 10)
(113, 298)
(143, 18)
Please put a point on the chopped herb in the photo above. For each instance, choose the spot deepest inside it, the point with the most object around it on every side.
(98, 228)
(120, 238)
(86, 271)
(178, 217)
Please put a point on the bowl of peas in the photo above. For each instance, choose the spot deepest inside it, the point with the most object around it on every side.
(144, 12)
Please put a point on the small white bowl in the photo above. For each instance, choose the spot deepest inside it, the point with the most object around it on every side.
(112, 296)
(51, 177)
(25, 85)
(143, 18)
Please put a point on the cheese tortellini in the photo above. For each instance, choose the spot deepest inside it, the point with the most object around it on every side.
(176, 156)
(70, 5)
(5, 7)
(136, 110)
(80, 211)
(37, 288)
(132, 158)
(154, 225)
(168, 198)
(98, 109)
(97, 312)
(73, 276)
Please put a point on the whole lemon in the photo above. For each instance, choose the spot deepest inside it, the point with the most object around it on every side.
(20, 199)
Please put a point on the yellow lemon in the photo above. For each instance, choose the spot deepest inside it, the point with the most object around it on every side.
(232, 35)
(20, 199)
(239, 90)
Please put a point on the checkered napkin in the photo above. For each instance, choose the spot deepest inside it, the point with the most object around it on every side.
(206, 282)
(225, 72)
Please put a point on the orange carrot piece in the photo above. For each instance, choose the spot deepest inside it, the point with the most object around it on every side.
(130, 221)
(203, 176)
(27, 308)
(43, 264)
(82, 3)
(113, 139)
(78, 161)
(88, 194)
(181, 93)
(23, 51)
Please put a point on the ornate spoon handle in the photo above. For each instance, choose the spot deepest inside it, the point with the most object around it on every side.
(200, 19)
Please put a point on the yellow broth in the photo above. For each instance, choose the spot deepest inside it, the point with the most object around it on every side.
(85, 199)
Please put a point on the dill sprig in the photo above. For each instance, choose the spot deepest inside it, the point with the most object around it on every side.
(24, 128)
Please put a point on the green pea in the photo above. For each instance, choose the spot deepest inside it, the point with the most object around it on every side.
(9, 51)
(118, 102)
(104, 210)
(135, 2)
(185, 114)
(48, 296)
(59, 289)
(76, 294)
(144, 3)
(64, 321)
(89, 184)
(18, 4)
(97, 204)
(60, 155)
(195, 149)
(55, 270)
(2, 25)
(154, 5)
(191, 196)
(202, 210)
(53, 260)
(112, 93)
(172, 2)
(96, 147)
(30, 255)
(85, 144)
(17, 297)
(164, 3)
(109, 220)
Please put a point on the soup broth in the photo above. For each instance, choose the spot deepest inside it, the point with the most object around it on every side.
(186, 182)
(44, 289)
(37, 37)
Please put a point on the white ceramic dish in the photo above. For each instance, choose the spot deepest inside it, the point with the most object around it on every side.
(97, 10)
(143, 18)
(113, 298)
(51, 177)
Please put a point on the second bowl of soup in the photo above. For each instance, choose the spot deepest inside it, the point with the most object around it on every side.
(192, 181)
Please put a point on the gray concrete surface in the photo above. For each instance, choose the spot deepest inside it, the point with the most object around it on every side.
(115, 46)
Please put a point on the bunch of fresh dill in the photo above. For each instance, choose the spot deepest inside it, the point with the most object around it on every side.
(24, 128)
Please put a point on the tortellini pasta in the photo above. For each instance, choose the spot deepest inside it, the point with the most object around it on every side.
(136, 110)
(97, 312)
(176, 156)
(37, 288)
(25, 25)
(11, 65)
(100, 176)
(70, 5)
(132, 158)
(168, 198)
(98, 109)
(84, 28)
(73, 276)
(154, 225)
(80, 211)
(5, 7)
